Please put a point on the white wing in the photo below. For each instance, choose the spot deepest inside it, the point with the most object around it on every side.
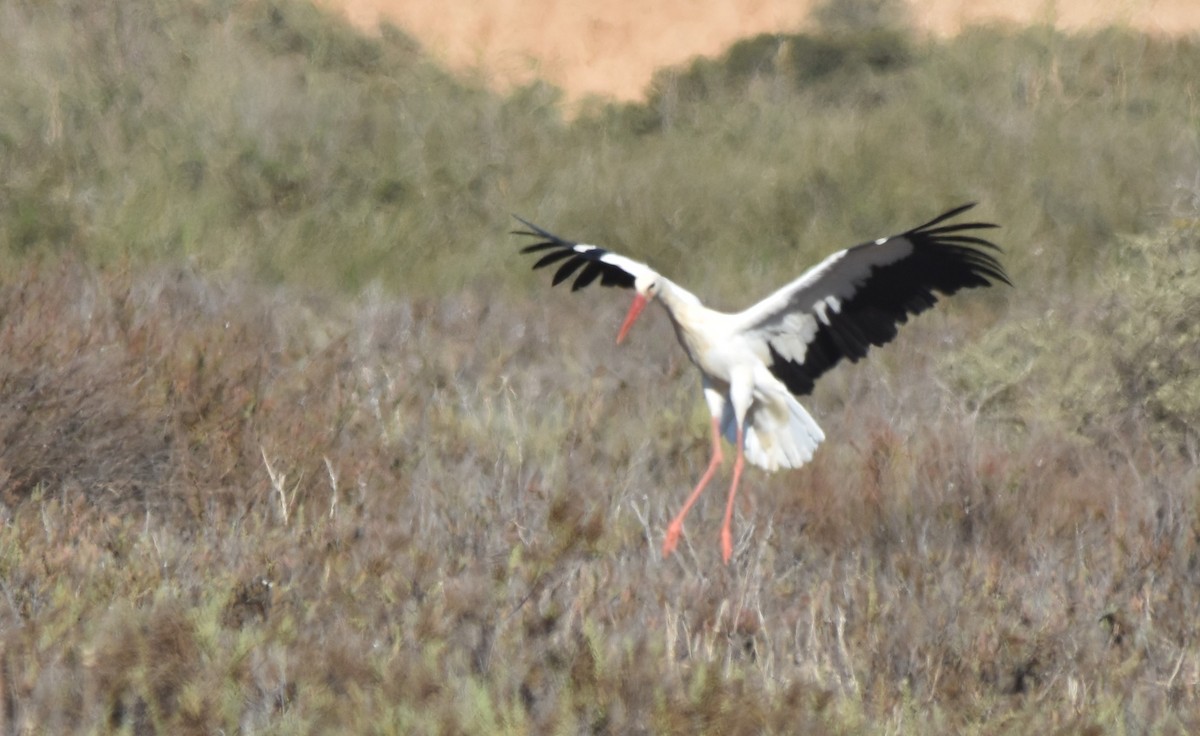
(858, 297)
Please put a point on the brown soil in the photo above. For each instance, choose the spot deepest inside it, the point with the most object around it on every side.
(612, 49)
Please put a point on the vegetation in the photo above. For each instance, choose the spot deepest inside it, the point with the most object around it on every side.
(293, 442)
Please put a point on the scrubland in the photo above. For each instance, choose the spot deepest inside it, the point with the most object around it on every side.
(292, 442)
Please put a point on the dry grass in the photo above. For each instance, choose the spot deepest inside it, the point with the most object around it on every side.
(232, 509)
(426, 503)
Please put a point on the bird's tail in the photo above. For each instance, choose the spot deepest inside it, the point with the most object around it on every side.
(779, 434)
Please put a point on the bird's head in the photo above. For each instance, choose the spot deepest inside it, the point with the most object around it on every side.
(647, 288)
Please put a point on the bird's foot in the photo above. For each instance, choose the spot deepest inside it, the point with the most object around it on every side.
(726, 544)
(672, 539)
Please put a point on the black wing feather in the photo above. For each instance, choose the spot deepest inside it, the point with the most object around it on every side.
(561, 249)
(943, 260)
(591, 272)
(567, 270)
(553, 257)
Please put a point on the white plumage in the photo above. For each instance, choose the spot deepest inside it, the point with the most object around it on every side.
(755, 362)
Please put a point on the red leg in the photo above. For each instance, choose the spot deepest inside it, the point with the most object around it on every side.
(726, 535)
(676, 526)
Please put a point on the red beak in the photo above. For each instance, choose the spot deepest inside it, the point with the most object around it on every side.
(639, 303)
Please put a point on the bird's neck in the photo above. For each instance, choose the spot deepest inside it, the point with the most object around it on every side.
(683, 306)
(689, 317)
(677, 300)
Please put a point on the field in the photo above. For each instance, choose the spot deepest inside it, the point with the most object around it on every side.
(294, 442)
(613, 49)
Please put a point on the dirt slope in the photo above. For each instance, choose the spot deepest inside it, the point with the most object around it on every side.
(613, 48)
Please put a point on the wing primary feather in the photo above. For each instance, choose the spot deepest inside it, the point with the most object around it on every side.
(566, 270)
(878, 286)
(597, 263)
(968, 239)
(942, 217)
(956, 228)
(553, 257)
(539, 232)
(588, 275)
(540, 246)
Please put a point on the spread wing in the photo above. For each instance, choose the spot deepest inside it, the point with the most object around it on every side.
(858, 297)
(611, 268)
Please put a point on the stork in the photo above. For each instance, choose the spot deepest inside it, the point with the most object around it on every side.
(754, 363)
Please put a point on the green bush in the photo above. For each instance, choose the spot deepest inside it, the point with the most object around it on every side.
(1120, 362)
(271, 138)
(1151, 322)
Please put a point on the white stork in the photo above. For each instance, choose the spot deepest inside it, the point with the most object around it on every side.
(755, 362)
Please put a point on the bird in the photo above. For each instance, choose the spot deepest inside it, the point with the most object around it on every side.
(756, 364)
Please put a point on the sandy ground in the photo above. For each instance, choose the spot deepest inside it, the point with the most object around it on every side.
(613, 48)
